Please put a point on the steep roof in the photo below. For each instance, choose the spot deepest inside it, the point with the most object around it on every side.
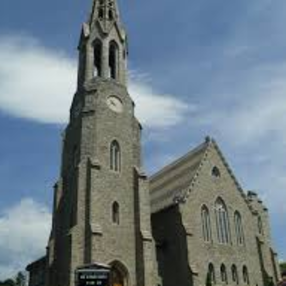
(173, 183)
(167, 185)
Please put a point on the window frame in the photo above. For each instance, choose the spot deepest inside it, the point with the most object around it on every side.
(238, 225)
(116, 213)
(222, 222)
(206, 224)
(115, 157)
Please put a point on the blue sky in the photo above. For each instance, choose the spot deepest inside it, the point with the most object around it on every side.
(197, 68)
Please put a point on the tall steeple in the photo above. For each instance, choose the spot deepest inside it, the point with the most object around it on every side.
(102, 205)
(103, 45)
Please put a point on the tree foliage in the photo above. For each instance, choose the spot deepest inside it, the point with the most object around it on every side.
(283, 267)
(19, 280)
(8, 282)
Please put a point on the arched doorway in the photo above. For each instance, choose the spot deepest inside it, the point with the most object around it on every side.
(119, 274)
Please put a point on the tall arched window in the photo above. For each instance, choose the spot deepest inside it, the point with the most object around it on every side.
(260, 225)
(234, 274)
(238, 228)
(223, 274)
(206, 224)
(113, 59)
(222, 222)
(110, 14)
(211, 273)
(115, 156)
(100, 13)
(97, 46)
(115, 213)
(245, 275)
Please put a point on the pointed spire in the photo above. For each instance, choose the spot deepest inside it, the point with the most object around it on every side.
(103, 46)
(105, 11)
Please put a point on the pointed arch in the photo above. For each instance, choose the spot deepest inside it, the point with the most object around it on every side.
(100, 13)
(211, 273)
(115, 213)
(222, 222)
(245, 275)
(97, 51)
(115, 156)
(113, 59)
(206, 224)
(223, 274)
(234, 274)
(238, 228)
(119, 274)
(110, 14)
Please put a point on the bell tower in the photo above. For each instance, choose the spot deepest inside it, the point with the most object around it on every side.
(103, 44)
(101, 201)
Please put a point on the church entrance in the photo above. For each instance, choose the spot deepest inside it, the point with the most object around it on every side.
(118, 275)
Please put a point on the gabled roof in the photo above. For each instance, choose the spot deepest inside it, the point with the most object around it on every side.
(172, 184)
(168, 185)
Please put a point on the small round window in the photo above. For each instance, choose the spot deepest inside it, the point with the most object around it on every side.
(216, 172)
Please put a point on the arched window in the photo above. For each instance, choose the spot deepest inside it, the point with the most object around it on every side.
(115, 156)
(118, 275)
(234, 274)
(97, 46)
(115, 213)
(223, 274)
(222, 222)
(113, 59)
(216, 172)
(238, 228)
(260, 225)
(211, 273)
(206, 224)
(245, 275)
(100, 13)
(110, 14)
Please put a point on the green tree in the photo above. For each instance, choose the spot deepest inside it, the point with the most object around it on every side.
(282, 266)
(8, 282)
(20, 279)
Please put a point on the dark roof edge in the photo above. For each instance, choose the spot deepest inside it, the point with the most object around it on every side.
(179, 160)
(40, 260)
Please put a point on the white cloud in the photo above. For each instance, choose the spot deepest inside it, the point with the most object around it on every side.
(24, 230)
(157, 110)
(260, 115)
(38, 83)
(35, 82)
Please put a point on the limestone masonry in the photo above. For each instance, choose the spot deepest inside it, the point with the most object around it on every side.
(189, 224)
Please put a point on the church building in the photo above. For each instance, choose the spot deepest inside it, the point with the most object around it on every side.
(190, 224)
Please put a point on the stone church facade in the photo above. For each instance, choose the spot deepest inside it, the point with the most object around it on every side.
(189, 221)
